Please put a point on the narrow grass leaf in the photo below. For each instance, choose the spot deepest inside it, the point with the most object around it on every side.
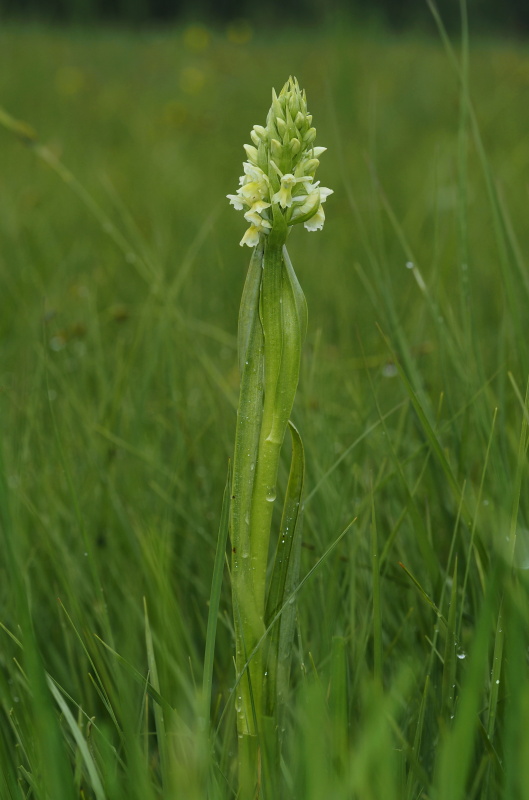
(137, 675)
(214, 600)
(495, 675)
(159, 720)
(338, 703)
(449, 661)
(417, 770)
(377, 610)
(454, 763)
(95, 780)
(426, 597)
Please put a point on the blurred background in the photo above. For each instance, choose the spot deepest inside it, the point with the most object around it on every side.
(120, 281)
(509, 15)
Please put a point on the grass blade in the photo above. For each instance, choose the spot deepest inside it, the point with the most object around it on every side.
(159, 720)
(95, 780)
(214, 600)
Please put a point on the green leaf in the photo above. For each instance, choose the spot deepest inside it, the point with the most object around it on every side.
(285, 576)
(301, 303)
(249, 308)
(293, 320)
(495, 674)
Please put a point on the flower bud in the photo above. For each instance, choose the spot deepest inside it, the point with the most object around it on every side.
(299, 121)
(262, 156)
(309, 137)
(294, 105)
(277, 150)
(281, 126)
(310, 166)
(276, 106)
(251, 152)
(295, 146)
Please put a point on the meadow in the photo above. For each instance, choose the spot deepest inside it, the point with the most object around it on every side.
(120, 280)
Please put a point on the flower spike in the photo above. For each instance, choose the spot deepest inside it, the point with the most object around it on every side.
(279, 173)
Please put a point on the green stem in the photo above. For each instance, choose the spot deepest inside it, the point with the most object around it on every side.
(272, 324)
(283, 327)
(247, 620)
(271, 436)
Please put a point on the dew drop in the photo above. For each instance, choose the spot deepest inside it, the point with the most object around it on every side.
(389, 370)
(271, 494)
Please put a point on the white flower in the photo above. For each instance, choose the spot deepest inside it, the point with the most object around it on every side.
(251, 237)
(236, 201)
(284, 195)
(256, 219)
(315, 223)
(254, 184)
(324, 193)
(259, 206)
(288, 182)
(252, 173)
(258, 226)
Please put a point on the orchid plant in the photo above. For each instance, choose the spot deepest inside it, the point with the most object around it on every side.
(277, 191)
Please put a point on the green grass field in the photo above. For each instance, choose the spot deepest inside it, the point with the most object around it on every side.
(120, 280)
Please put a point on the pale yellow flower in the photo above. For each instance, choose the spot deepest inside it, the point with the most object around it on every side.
(288, 182)
(258, 226)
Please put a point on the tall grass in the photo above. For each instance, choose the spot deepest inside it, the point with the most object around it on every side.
(119, 293)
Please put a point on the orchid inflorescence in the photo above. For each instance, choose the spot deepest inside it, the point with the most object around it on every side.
(281, 166)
